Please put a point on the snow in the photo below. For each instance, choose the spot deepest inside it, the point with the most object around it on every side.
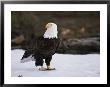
(66, 66)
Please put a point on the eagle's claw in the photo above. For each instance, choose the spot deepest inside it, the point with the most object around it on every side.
(42, 69)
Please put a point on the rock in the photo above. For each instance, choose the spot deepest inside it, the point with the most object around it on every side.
(80, 46)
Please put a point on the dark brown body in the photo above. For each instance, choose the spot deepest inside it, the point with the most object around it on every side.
(43, 48)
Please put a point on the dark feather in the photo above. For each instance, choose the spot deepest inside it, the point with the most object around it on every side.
(46, 46)
(42, 47)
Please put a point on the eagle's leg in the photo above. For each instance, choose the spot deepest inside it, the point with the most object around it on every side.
(47, 61)
(39, 63)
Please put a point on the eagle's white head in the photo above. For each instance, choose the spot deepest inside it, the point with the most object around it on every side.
(51, 31)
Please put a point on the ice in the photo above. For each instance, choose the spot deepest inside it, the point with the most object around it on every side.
(66, 66)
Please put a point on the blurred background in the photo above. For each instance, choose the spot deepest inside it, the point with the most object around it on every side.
(79, 30)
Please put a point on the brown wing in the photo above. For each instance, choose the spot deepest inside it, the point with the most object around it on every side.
(47, 46)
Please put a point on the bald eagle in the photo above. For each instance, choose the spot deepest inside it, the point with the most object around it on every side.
(45, 47)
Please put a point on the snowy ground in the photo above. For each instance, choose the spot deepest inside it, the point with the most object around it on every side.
(66, 66)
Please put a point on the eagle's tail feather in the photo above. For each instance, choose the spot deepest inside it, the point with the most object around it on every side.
(30, 58)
